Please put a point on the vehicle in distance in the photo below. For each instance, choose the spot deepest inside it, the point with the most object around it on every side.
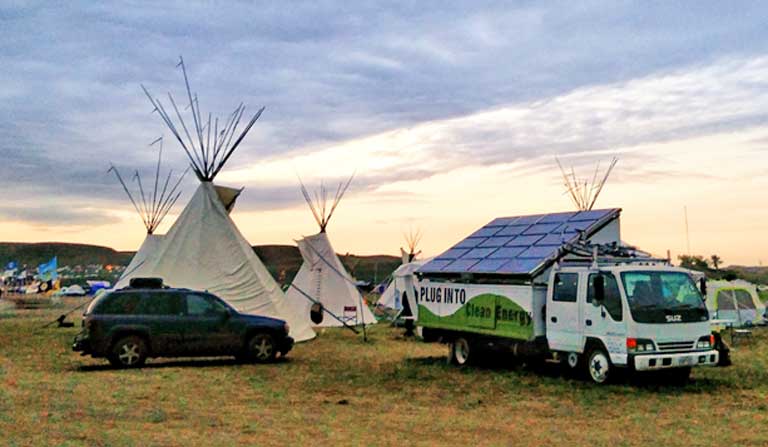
(129, 325)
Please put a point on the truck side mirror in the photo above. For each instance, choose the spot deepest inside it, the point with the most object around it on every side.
(598, 286)
(703, 288)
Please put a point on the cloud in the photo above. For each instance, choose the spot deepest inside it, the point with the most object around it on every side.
(484, 84)
(582, 127)
(44, 215)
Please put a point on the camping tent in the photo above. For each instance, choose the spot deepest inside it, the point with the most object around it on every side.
(735, 300)
(204, 249)
(322, 277)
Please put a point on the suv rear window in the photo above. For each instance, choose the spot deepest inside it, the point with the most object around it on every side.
(124, 303)
(162, 303)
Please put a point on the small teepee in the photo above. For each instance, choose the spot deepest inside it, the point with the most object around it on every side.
(583, 192)
(322, 278)
(403, 280)
(152, 206)
(203, 249)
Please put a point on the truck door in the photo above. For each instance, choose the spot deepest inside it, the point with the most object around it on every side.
(606, 322)
(562, 313)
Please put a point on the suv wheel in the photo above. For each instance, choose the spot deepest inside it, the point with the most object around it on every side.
(261, 348)
(128, 352)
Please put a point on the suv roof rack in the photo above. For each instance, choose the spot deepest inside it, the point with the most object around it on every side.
(146, 283)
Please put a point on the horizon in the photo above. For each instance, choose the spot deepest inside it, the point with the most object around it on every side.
(442, 136)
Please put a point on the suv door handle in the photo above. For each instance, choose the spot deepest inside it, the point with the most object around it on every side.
(589, 322)
(553, 319)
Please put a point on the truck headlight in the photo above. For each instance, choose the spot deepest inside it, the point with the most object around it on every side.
(706, 342)
(640, 345)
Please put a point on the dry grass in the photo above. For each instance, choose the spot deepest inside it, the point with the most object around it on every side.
(340, 390)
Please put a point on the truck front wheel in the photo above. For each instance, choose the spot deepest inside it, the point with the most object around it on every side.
(460, 351)
(598, 365)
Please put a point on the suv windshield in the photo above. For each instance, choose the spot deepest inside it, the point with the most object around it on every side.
(663, 297)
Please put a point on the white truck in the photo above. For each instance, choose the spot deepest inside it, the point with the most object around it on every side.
(591, 305)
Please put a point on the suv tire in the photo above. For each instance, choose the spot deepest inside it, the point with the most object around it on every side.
(128, 352)
(261, 348)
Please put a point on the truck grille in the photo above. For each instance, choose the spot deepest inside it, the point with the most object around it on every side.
(676, 345)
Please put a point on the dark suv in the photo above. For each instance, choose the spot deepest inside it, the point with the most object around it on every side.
(128, 325)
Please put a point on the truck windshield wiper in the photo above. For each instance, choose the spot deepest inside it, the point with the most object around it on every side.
(646, 306)
(682, 306)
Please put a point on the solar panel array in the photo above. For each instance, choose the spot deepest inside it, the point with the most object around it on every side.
(517, 245)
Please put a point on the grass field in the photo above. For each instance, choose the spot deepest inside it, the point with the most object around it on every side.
(338, 390)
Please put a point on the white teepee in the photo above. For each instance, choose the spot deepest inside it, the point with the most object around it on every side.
(322, 277)
(152, 206)
(403, 280)
(583, 192)
(204, 249)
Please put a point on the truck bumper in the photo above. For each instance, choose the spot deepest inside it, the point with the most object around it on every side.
(653, 362)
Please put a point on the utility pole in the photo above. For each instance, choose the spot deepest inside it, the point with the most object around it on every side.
(687, 234)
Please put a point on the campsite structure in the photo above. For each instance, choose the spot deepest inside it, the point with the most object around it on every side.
(204, 249)
(322, 277)
(151, 205)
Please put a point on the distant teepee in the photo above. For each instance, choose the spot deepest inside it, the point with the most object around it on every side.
(403, 280)
(412, 239)
(151, 205)
(584, 193)
(322, 277)
(204, 250)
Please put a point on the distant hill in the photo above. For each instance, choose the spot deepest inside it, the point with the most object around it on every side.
(753, 274)
(282, 261)
(34, 254)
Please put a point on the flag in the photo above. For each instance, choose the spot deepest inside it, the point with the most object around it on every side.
(47, 271)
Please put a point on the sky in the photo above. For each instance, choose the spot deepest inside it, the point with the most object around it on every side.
(448, 113)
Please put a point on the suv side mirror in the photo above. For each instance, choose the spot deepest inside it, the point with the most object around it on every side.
(598, 286)
(703, 288)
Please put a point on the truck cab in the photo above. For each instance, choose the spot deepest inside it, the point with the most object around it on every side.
(643, 316)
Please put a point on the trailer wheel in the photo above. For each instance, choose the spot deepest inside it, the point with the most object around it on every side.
(460, 351)
(598, 364)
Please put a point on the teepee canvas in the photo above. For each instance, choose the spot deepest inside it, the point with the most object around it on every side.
(322, 278)
(204, 249)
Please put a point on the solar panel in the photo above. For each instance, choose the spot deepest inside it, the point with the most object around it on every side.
(518, 245)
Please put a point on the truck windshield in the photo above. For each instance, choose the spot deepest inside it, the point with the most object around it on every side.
(663, 297)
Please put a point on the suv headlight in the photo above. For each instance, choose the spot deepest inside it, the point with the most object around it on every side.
(706, 342)
(640, 345)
